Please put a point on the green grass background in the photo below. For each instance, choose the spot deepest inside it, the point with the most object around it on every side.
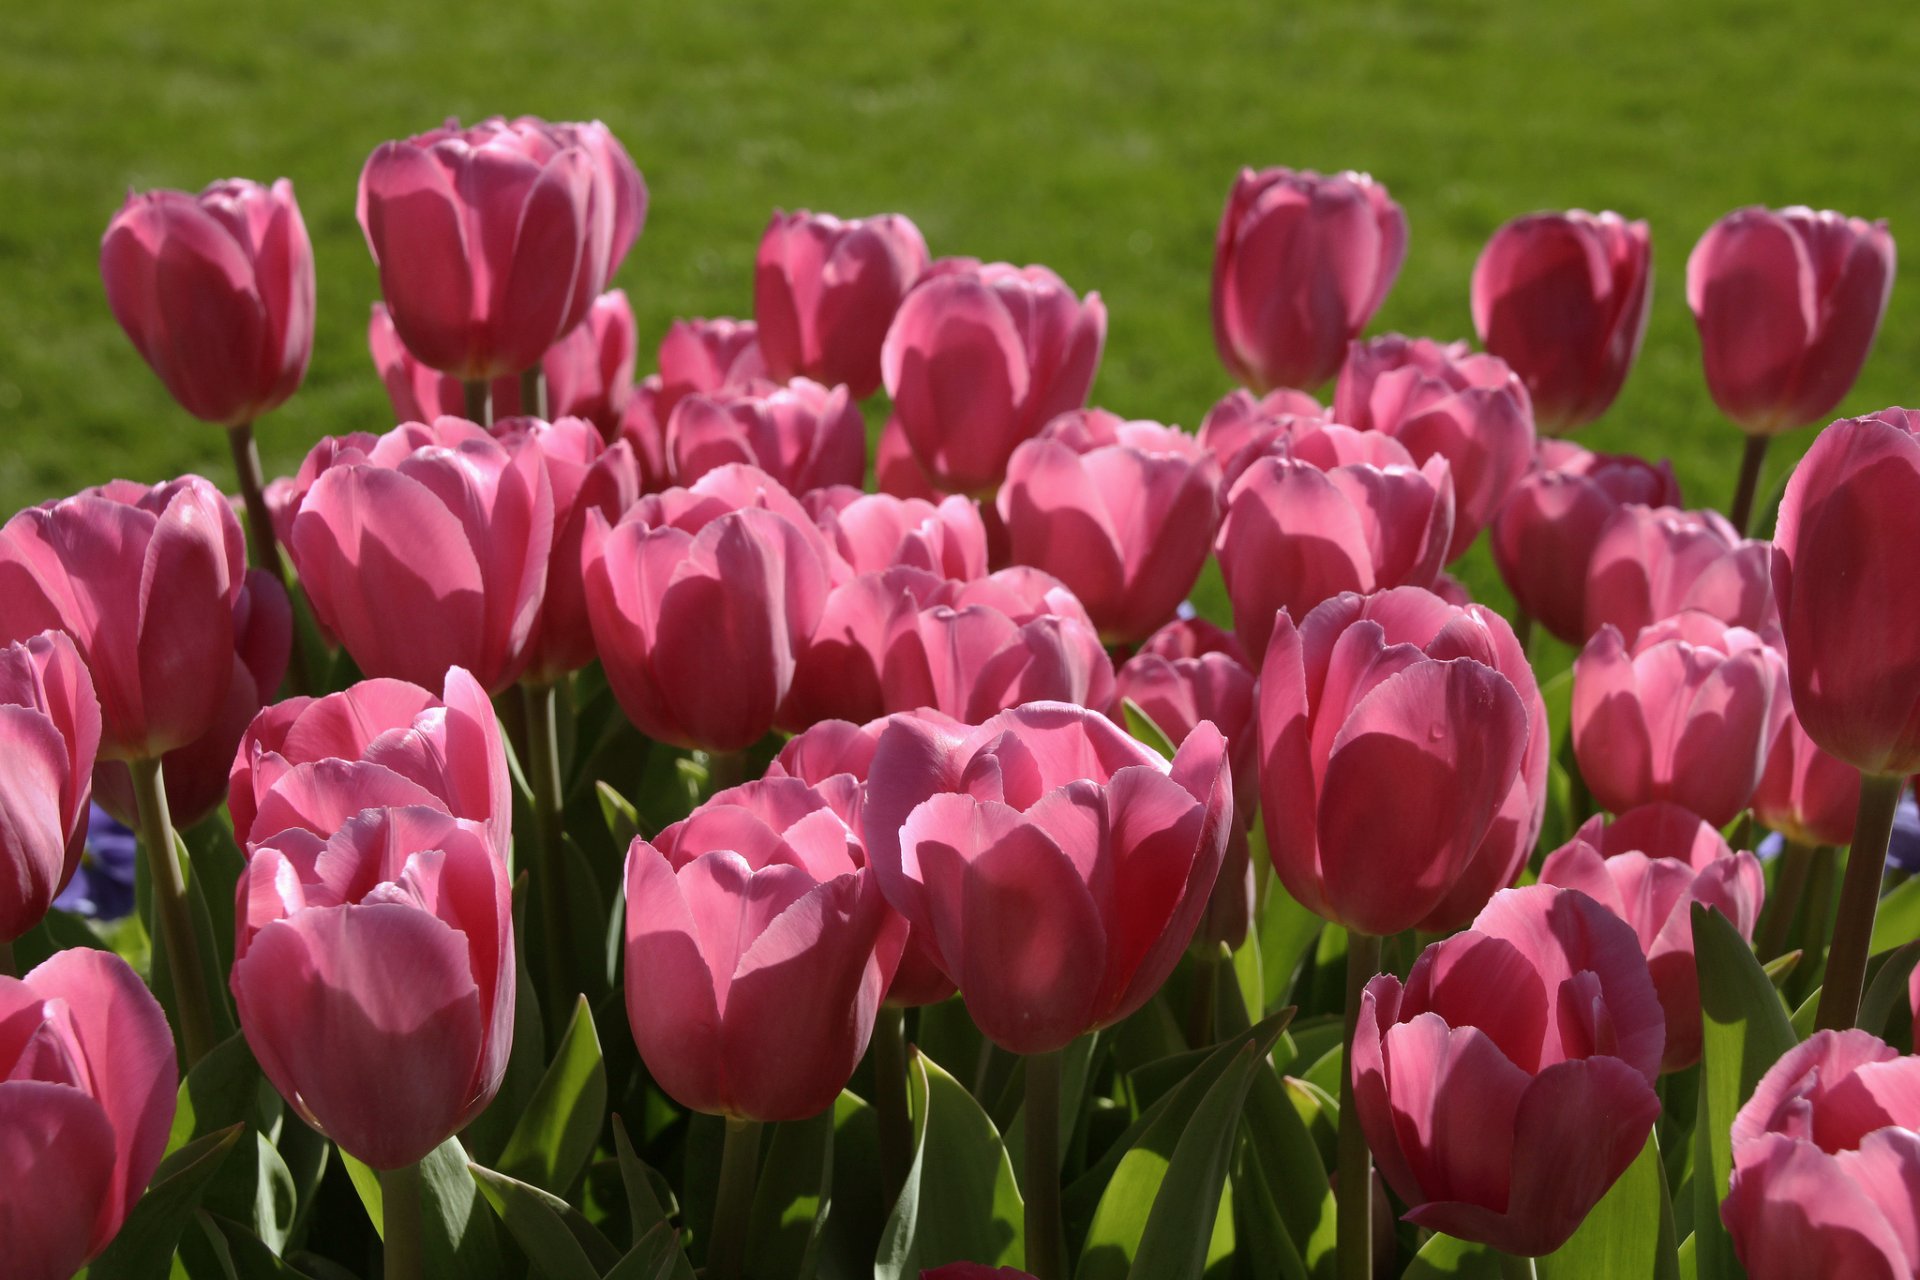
(1099, 138)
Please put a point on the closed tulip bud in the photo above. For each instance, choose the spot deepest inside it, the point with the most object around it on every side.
(1842, 577)
(145, 582)
(1194, 638)
(1563, 298)
(1240, 428)
(1787, 304)
(825, 290)
(373, 974)
(644, 429)
(802, 434)
(216, 291)
(1687, 713)
(876, 531)
(1805, 794)
(87, 1085)
(1650, 563)
(897, 471)
(707, 355)
(1122, 512)
(1300, 264)
(312, 763)
(1440, 398)
(429, 549)
(493, 241)
(1649, 866)
(1392, 740)
(1059, 866)
(1508, 1083)
(1545, 533)
(50, 725)
(758, 947)
(1826, 1164)
(1332, 510)
(980, 358)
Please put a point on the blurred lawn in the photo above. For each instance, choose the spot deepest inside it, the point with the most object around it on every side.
(1097, 138)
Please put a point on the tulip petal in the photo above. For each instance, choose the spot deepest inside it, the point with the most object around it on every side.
(58, 1149)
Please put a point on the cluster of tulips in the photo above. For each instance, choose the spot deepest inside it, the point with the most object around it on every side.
(901, 840)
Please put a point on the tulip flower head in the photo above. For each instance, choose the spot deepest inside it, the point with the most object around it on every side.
(825, 290)
(50, 724)
(802, 434)
(1650, 563)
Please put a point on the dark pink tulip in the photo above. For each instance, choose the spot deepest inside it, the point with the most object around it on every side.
(973, 1271)
(1826, 1164)
(87, 1085)
(1332, 510)
(1805, 794)
(707, 355)
(1563, 298)
(1687, 713)
(1649, 866)
(145, 582)
(1059, 867)
(1300, 264)
(216, 291)
(825, 290)
(758, 947)
(980, 358)
(312, 763)
(896, 471)
(49, 732)
(699, 605)
(373, 974)
(802, 434)
(1842, 577)
(1122, 512)
(644, 429)
(1240, 427)
(1393, 739)
(1194, 638)
(1509, 1082)
(876, 531)
(1787, 304)
(428, 549)
(1650, 563)
(1440, 398)
(493, 241)
(1544, 534)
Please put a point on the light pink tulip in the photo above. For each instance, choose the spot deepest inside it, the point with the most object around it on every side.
(1650, 563)
(1805, 794)
(49, 733)
(1300, 264)
(876, 531)
(1240, 428)
(825, 290)
(802, 434)
(897, 472)
(707, 355)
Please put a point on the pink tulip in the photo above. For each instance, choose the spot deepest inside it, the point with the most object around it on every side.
(897, 472)
(1332, 510)
(1563, 298)
(876, 531)
(980, 358)
(1300, 264)
(427, 548)
(1687, 713)
(1122, 512)
(1440, 398)
(312, 763)
(87, 1084)
(973, 1271)
(699, 604)
(801, 434)
(493, 241)
(707, 355)
(824, 292)
(1240, 428)
(1842, 577)
(1787, 304)
(1058, 866)
(1649, 866)
(1393, 741)
(374, 978)
(1194, 638)
(216, 291)
(1805, 794)
(1650, 563)
(50, 728)
(758, 948)
(145, 582)
(1509, 1082)
(1545, 533)
(1826, 1164)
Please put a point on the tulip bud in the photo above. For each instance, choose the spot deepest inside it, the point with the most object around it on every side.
(1805, 794)
(824, 292)
(801, 434)
(876, 531)
(50, 727)
(896, 471)
(1650, 563)
(707, 355)
(1240, 428)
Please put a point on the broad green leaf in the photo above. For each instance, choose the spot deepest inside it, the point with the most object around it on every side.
(143, 1249)
(1288, 932)
(241, 1254)
(557, 1131)
(1291, 1171)
(1897, 920)
(1144, 730)
(656, 1256)
(1629, 1233)
(1887, 989)
(1258, 1222)
(791, 1200)
(657, 1240)
(1445, 1258)
(219, 1092)
(457, 1235)
(1806, 1018)
(623, 820)
(537, 1220)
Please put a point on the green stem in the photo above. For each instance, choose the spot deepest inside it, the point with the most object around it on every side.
(1523, 630)
(725, 769)
(739, 1170)
(177, 937)
(1515, 1267)
(9, 967)
(479, 401)
(1201, 988)
(262, 547)
(890, 1101)
(1354, 1203)
(1859, 899)
(533, 393)
(1046, 1239)
(1795, 861)
(400, 1223)
(1752, 461)
(543, 775)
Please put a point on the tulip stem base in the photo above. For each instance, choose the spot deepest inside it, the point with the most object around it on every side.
(263, 549)
(890, 1102)
(1046, 1237)
(1354, 1195)
(1753, 460)
(533, 393)
(541, 702)
(479, 401)
(1859, 899)
(178, 940)
(1796, 860)
(400, 1223)
(1515, 1267)
(733, 1207)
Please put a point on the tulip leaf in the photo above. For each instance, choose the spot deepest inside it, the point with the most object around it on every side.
(1144, 730)
(557, 1131)
(213, 977)
(959, 1202)
(791, 1200)
(852, 1233)
(1897, 920)
(1807, 1017)
(457, 1237)
(233, 1251)
(1887, 989)
(1287, 930)
(656, 1256)
(1447, 1258)
(218, 1092)
(488, 1134)
(657, 1250)
(1629, 1233)
(144, 1247)
(1291, 1170)
(561, 1244)
(1257, 1218)
(623, 820)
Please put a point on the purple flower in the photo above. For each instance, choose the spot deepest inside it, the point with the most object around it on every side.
(102, 888)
